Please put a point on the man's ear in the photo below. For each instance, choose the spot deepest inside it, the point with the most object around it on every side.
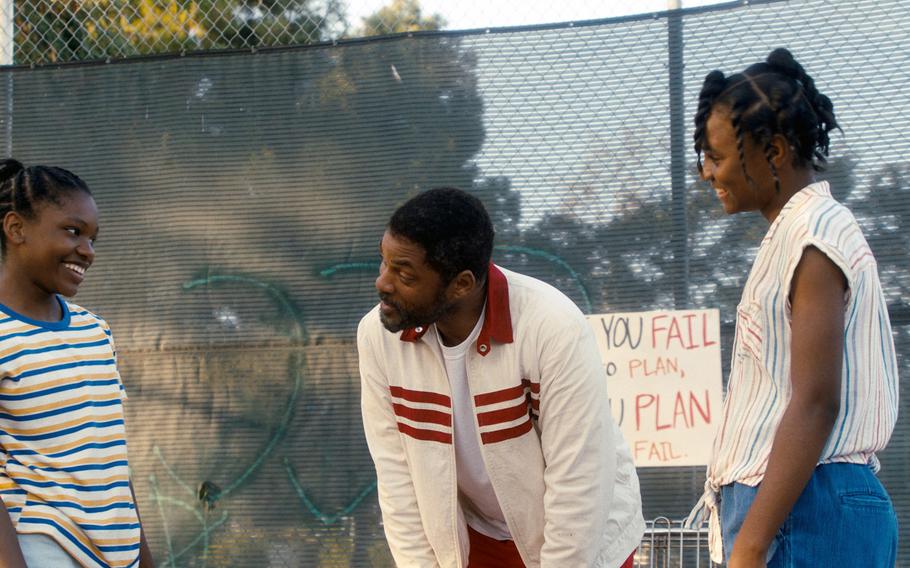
(462, 285)
(14, 228)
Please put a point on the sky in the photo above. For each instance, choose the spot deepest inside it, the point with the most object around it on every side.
(470, 14)
(551, 149)
(555, 118)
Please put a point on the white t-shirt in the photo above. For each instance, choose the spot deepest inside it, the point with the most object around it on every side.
(476, 495)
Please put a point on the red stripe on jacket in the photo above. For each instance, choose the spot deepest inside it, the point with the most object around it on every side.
(422, 415)
(506, 434)
(503, 415)
(420, 396)
(428, 435)
(499, 396)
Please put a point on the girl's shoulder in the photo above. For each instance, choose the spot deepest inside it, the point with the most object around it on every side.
(84, 315)
(820, 217)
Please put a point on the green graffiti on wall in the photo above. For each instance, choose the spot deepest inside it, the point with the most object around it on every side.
(542, 254)
(201, 499)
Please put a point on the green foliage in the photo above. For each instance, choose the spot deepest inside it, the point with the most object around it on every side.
(627, 264)
(69, 30)
(241, 160)
(50, 31)
(885, 218)
(398, 17)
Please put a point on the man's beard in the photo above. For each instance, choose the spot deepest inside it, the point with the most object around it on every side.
(410, 318)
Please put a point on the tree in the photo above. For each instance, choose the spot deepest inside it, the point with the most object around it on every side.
(883, 213)
(69, 30)
(398, 17)
(624, 262)
(246, 172)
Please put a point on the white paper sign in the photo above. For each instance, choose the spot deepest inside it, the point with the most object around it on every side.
(664, 379)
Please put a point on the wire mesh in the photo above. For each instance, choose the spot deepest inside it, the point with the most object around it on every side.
(54, 31)
(61, 31)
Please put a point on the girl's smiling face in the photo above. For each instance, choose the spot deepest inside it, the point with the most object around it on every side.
(724, 169)
(57, 245)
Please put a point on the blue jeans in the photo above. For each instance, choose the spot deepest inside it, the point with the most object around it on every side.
(41, 551)
(843, 517)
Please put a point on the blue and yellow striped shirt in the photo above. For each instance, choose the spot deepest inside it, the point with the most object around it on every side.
(63, 459)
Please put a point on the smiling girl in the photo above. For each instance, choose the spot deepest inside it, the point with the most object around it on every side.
(65, 492)
(812, 393)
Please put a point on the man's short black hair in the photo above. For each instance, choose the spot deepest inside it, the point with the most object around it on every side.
(452, 226)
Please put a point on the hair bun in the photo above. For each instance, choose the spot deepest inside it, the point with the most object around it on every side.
(9, 168)
(782, 61)
(715, 83)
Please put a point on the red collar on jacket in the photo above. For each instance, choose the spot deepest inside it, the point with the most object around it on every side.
(497, 321)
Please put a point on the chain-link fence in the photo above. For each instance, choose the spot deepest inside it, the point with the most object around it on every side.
(51, 31)
(66, 30)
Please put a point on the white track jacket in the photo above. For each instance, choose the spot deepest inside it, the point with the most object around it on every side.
(560, 468)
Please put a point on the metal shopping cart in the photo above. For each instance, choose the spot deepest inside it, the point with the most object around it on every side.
(669, 544)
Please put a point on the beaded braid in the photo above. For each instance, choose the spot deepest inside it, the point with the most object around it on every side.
(782, 61)
(736, 120)
(762, 104)
(769, 157)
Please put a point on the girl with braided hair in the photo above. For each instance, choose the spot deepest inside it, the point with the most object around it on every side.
(66, 499)
(812, 392)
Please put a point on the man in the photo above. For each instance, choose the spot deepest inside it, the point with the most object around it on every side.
(485, 406)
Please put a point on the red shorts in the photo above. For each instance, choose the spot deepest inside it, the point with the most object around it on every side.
(488, 552)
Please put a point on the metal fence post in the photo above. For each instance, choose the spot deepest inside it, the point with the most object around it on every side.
(677, 154)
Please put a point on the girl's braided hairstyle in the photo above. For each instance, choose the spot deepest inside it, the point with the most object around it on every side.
(23, 189)
(774, 97)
